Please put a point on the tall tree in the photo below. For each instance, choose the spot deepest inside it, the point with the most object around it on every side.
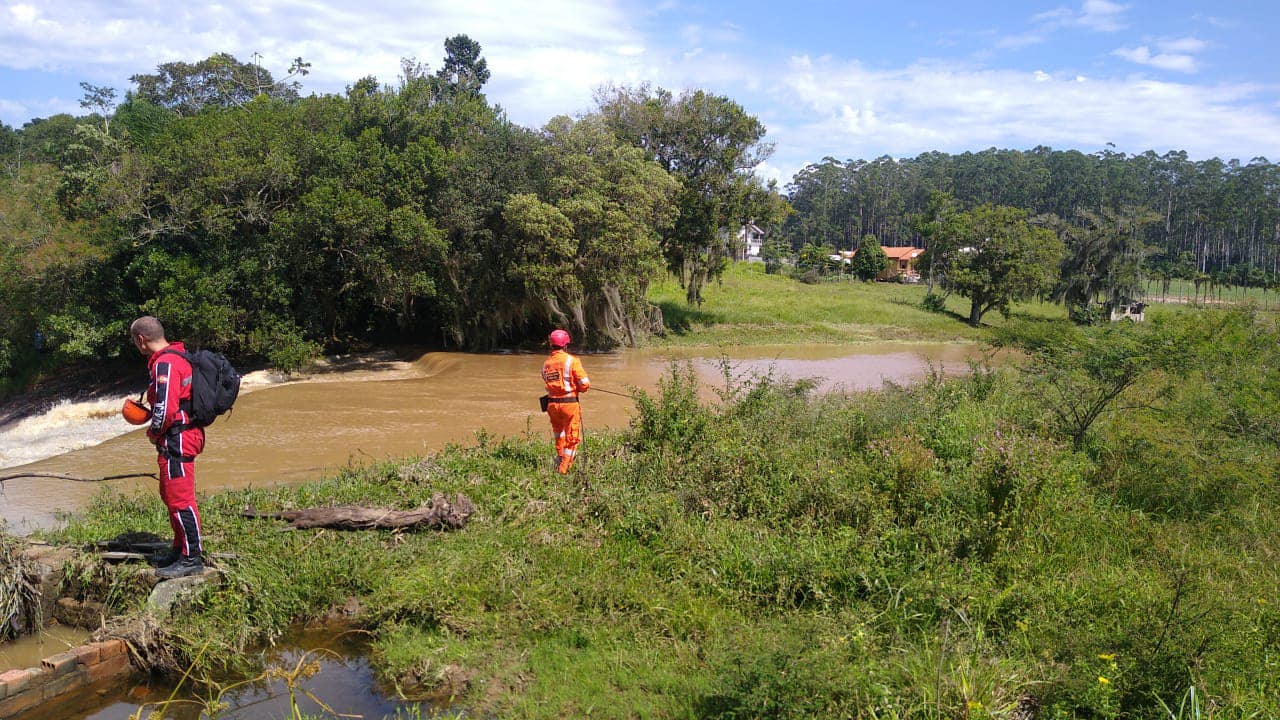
(464, 70)
(219, 80)
(712, 145)
(1104, 259)
(1001, 258)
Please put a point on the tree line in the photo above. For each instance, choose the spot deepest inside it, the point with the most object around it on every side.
(1212, 222)
(274, 225)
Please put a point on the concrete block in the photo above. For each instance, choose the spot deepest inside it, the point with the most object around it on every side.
(111, 648)
(13, 682)
(88, 654)
(61, 664)
(18, 680)
(69, 611)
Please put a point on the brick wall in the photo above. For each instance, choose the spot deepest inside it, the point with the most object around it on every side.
(21, 690)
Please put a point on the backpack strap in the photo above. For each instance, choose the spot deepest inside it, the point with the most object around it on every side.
(185, 404)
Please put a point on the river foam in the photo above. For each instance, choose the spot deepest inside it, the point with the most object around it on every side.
(66, 426)
(71, 425)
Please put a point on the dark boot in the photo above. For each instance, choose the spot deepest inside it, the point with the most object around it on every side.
(166, 557)
(182, 567)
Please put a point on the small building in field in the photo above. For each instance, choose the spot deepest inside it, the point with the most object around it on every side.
(1135, 312)
(902, 264)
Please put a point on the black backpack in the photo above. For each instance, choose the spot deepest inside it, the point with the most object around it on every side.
(214, 385)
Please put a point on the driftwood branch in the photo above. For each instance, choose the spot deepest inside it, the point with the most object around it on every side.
(439, 514)
(62, 476)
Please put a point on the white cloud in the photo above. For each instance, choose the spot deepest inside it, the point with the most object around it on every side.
(1182, 45)
(1014, 42)
(547, 58)
(1096, 15)
(1175, 54)
(1102, 15)
(123, 38)
(854, 111)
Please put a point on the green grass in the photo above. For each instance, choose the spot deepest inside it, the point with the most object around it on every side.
(1182, 291)
(938, 551)
(746, 306)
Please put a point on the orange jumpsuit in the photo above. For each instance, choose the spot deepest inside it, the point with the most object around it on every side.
(565, 380)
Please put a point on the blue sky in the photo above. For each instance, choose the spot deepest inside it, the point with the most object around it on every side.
(841, 79)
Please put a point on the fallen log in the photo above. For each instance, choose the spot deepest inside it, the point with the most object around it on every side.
(439, 514)
(63, 476)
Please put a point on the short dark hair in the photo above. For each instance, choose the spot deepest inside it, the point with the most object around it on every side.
(147, 326)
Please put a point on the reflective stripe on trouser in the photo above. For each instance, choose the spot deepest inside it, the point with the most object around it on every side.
(566, 423)
(178, 491)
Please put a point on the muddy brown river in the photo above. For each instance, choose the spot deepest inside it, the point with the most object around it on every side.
(358, 410)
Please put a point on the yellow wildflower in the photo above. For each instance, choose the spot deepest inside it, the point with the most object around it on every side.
(1103, 681)
(1107, 656)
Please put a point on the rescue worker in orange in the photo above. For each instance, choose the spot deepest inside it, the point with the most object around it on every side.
(566, 380)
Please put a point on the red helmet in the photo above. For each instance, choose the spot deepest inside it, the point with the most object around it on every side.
(558, 339)
(135, 412)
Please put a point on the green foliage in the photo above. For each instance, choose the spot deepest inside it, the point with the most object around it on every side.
(1080, 374)
(774, 253)
(218, 199)
(711, 145)
(218, 81)
(999, 258)
(870, 259)
(1104, 260)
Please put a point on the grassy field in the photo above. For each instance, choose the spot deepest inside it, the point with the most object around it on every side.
(746, 306)
(1182, 291)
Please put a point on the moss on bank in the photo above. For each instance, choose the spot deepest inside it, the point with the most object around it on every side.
(938, 551)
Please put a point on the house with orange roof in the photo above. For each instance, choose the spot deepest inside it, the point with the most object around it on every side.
(902, 264)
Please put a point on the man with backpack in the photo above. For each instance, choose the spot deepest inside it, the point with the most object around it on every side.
(177, 439)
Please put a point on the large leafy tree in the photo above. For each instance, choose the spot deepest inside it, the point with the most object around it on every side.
(999, 258)
(712, 145)
(590, 237)
(219, 80)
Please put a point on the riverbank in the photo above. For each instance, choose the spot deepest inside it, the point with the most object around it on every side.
(746, 307)
(940, 550)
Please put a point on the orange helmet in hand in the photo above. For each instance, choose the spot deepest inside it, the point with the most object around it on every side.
(134, 412)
